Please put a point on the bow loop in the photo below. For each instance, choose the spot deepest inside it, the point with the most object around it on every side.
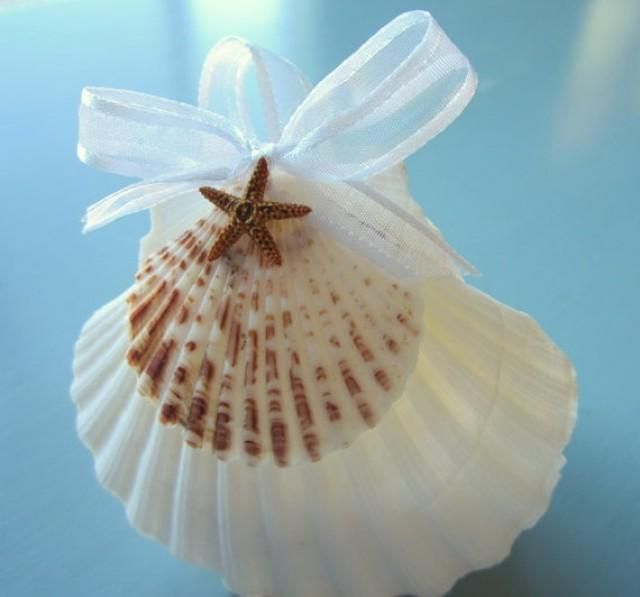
(142, 135)
(252, 87)
(397, 91)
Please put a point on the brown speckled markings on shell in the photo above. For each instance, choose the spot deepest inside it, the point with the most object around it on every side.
(275, 419)
(287, 363)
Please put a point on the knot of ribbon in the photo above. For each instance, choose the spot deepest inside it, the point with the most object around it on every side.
(397, 91)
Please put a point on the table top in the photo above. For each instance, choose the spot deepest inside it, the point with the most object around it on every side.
(537, 184)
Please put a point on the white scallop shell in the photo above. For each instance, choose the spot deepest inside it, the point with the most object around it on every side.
(292, 361)
(464, 460)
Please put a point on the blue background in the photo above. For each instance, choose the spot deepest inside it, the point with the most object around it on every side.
(537, 184)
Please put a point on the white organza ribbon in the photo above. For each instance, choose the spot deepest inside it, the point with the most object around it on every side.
(400, 89)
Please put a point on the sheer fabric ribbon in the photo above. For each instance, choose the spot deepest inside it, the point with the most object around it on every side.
(400, 89)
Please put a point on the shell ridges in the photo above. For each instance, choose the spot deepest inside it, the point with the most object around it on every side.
(292, 361)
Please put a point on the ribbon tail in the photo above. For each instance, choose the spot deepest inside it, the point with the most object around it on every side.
(376, 227)
(131, 199)
(420, 226)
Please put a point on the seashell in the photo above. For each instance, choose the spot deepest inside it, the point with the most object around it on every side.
(291, 362)
(464, 456)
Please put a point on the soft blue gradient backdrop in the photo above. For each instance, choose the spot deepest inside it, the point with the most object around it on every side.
(537, 184)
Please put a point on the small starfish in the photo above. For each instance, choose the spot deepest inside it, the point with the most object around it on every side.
(250, 215)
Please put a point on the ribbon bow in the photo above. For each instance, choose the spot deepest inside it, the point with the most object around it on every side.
(400, 89)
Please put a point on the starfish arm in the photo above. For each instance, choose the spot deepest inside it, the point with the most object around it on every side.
(219, 198)
(270, 210)
(258, 181)
(227, 237)
(268, 248)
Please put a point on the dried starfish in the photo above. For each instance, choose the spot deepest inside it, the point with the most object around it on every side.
(250, 215)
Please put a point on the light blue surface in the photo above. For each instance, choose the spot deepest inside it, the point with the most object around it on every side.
(538, 184)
